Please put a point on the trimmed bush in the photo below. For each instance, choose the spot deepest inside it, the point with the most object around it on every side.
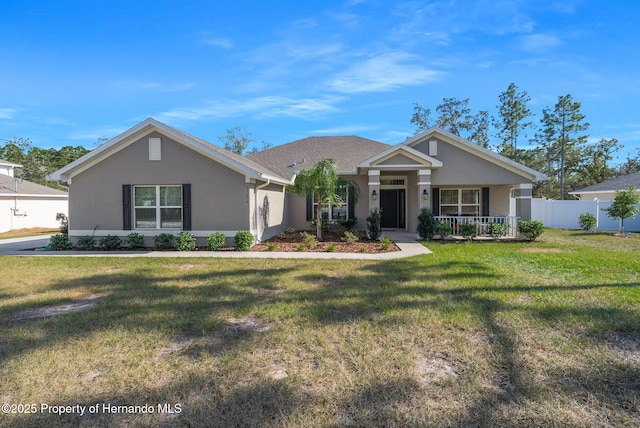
(243, 240)
(426, 224)
(110, 242)
(468, 230)
(271, 246)
(164, 241)
(135, 240)
(587, 222)
(308, 240)
(216, 241)
(348, 223)
(496, 230)
(60, 241)
(86, 242)
(331, 248)
(185, 241)
(531, 229)
(374, 230)
(443, 228)
(350, 238)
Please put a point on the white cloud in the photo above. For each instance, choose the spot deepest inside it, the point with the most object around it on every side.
(220, 43)
(9, 113)
(343, 130)
(540, 42)
(383, 73)
(267, 106)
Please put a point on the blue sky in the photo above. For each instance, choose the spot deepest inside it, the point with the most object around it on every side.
(74, 71)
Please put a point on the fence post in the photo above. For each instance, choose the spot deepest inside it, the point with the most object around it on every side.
(597, 213)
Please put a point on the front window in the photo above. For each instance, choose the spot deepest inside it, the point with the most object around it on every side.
(158, 207)
(340, 212)
(460, 202)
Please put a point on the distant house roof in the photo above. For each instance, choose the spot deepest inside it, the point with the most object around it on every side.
(617, 183)
(11, 186)
(288, 159)
(6, 162)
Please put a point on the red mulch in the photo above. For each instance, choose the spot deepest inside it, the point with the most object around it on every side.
(291, 241)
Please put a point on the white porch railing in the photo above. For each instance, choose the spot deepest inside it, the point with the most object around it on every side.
(482, 223)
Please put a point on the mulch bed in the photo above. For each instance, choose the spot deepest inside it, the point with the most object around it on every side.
(291, 241)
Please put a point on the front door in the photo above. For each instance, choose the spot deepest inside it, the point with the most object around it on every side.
(392, 203)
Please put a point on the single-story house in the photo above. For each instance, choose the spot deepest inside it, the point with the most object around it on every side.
(24, 204)
(606, 191)
(154, 179)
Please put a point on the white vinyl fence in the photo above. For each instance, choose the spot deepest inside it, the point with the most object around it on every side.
(564, 214)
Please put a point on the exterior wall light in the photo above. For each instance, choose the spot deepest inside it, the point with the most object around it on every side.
(374, 195)
(425, 194)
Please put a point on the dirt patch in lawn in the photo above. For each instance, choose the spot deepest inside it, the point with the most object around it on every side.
(627, 344)
(53, 311)
(331, 242)
(434, 371)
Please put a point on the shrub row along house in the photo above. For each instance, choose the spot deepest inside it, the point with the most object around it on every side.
(155, 179)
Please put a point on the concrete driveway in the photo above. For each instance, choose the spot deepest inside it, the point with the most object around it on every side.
(9, 246)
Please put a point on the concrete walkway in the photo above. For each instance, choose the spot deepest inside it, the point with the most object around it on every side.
(407, 243)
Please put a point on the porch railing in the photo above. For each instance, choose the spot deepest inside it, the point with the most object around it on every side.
(482, 223)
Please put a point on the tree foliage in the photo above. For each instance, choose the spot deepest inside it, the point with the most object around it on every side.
(513, 120)
(322, 182)
(236, 140)
(36, 162)
(624, 205)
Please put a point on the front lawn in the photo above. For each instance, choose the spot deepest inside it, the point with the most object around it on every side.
(491, 334)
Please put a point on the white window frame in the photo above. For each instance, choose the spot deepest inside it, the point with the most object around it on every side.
(157, 207)
(459, 205)
(329, 209)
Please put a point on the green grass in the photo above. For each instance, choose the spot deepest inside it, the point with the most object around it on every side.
(491, 334)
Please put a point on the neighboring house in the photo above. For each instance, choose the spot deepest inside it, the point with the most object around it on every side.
(606, 191)
(24, 204)
(154, 179)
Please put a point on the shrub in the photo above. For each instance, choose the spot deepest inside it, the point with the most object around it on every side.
(443, 228)
(348, 223)
(496, 230)
(331, 248)
(587, 222)
(374, 229)
(362, 249)
(350, 238)
(426, 224)
(385, 243)
(135, 240)
(216, 241)
(271, 246)
(60, 241)
(185, 242)
(164, 241)
(291, 230)
(86, 242)
(301, 247)
(110, 242)
(468, 230)
(243, 240)
(308, 240)
(281, 235)
(531, 229)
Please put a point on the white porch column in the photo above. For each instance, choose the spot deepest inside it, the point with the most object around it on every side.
(424, 188)
(374, 189)
(523, 194)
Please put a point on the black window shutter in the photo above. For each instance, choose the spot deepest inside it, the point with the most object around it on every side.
(351, 203)
(309, 208)
(186, 207)
(485, 201)
(126, 207)
(435, 201)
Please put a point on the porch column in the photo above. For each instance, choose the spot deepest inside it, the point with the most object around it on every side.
(424, 185)
(523, 193)
(374, 186)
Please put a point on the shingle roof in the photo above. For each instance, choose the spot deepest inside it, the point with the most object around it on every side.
(620, 183)
(347, 152)
(14, 186)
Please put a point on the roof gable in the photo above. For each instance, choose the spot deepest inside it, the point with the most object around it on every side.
(11, 186)
(233, 161)
(400, 157)
(476, 150)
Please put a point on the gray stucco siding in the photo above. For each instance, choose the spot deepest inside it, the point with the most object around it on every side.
(461, 167)
(219, 195)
